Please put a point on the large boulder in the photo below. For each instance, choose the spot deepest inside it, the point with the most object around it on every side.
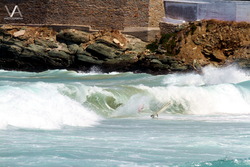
(102, 51)
(86, 58)
(60, 59)
(70, 36)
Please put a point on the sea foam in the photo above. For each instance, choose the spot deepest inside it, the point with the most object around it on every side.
(209, 76)
(41, 106)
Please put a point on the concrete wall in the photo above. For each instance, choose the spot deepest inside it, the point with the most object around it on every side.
(181, 10)
(243, 11)
(204, 9)
(218, 10)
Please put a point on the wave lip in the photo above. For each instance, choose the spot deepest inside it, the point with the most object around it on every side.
(209, 76)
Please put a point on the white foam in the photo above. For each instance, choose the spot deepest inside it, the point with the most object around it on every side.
(135, 106)
(41, 106)
(210, 76)
(204, 100)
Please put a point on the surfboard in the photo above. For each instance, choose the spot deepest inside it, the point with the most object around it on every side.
(161, 110)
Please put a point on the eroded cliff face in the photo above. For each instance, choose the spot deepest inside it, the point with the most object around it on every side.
(210, 42)
(193, 46)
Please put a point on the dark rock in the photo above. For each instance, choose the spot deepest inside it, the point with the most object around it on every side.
(135, 44)
(102, 51)
(168, 60)
(60, 58)
(87, 58)
(178, 67)
(107, 43)
(45, 43)
(243, 63)
(73, 48)
(15, 50)
(73, 36)
(33, 50)
(155, 61)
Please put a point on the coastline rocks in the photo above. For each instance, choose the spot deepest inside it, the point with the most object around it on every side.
(73, 36)
(39, 49)
(102, 51)
(189, 49)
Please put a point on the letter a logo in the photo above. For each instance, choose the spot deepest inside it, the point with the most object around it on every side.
(15, 14)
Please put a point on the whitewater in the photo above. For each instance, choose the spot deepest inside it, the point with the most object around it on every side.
(69, 119)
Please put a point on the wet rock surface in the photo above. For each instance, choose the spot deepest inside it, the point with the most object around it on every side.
(192, 47)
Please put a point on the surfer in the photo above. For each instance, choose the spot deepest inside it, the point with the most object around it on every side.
(140, 108)
(161, 110)
(153, 115)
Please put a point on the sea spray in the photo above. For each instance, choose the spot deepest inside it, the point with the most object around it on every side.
(209, 76)
(41, 105)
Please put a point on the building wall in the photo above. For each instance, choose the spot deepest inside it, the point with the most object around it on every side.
(156, 12)
(135, 17)
(33, 11)
(242, 11)
(136, 13)
(99, 14)
(188, 10)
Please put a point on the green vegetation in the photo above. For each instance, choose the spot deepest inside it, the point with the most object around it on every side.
(167, 42)
(193, 27)
(165, 37)
(153, 46)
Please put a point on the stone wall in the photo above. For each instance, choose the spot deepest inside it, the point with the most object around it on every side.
(167, 28)
(33, 11)
(136, 15)
(99, 14)
(156, 12)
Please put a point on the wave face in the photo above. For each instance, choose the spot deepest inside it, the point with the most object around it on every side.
(58, 98)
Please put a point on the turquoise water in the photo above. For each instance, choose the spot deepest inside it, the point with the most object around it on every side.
(68, 119)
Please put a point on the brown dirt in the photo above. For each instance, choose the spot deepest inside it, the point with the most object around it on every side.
(211, 42)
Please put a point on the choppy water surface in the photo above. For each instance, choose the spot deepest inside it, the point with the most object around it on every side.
(63, 118)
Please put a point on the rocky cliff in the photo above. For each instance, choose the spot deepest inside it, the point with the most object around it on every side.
(209, 42)
(194, 45)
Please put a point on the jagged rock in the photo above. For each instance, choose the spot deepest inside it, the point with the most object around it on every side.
(155, 61)
(15, 50)
(19, 33)
(61, 58)
(33, 50)
(243, 63)
(73, 48)
(108, 43)
(102, 51)
(87, 58)
(178, 67)
(45, 43)
(117, 42)
(40, 49)
(73, 36)
(135, 44)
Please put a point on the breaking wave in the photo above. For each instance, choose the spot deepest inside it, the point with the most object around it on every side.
(58, 98)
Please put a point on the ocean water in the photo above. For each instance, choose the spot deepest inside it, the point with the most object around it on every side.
(61, 118)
